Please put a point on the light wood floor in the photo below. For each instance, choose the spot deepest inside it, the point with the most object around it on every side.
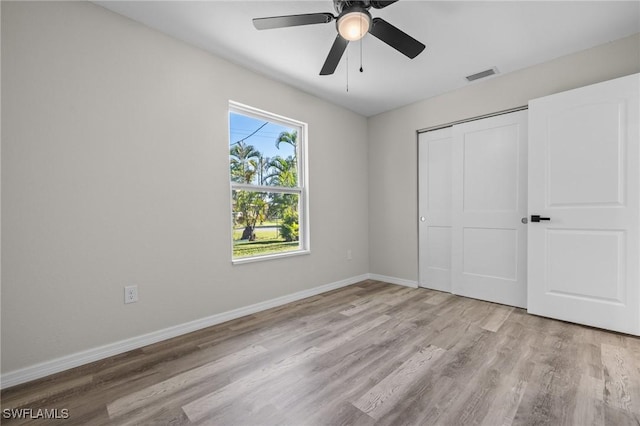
(371, 353)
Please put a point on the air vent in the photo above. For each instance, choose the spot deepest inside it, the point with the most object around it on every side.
(482, 74)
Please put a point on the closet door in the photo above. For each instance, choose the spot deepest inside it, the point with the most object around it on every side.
(489, 187)
(434, 152)
(583, 176)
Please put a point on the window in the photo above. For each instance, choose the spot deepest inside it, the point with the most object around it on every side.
(267, 159)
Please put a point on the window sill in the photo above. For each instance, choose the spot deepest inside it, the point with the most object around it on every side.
(244, 260)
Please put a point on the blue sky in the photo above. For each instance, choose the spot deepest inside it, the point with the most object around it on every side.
(241, 126)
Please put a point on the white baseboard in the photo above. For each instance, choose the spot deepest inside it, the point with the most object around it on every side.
(77, 359)
(394, 280)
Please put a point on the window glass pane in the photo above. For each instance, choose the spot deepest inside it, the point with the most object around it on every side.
(262, 152)
(264, 223)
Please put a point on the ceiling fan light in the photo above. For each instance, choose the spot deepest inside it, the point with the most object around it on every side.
(353, 26)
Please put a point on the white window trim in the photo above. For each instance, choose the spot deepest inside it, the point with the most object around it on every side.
(302, 189)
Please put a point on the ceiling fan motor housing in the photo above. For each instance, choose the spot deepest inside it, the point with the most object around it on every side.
(344, 5)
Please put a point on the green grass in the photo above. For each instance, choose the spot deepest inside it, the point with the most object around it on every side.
(260, 247)
(267, 242)
(261, 234)
(270, 223)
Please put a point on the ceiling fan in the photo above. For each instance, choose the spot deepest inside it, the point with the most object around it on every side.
(353, 22)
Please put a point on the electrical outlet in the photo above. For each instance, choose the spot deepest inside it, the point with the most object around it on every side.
(349, 257)
(131, 294)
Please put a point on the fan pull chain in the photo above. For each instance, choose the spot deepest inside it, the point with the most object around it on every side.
(361, 38)
(361, 70)
(347, 69)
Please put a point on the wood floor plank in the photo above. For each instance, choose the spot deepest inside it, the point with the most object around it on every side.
(382, 397)
(494, 388)
(344, 414)
(508, 395)
(621, 388)
(47, 391)
(589, 408)
(176, 383)
(550, 397)
(496, 318)
(361, 305)
(359, 366)
(328, 386)
(617, 417)
(387, 296)
(201, 407)
(438, 297)
(432, 395)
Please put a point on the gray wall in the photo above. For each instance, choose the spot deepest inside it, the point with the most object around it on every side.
(115, 172)
(393, 171)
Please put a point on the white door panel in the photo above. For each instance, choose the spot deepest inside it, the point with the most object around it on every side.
(500, 261)
(583, 175)
(490, 167)
(489, 201)
(434, 152)
(593, 134)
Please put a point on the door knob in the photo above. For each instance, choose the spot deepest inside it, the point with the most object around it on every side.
(538, 218)
(422, 218)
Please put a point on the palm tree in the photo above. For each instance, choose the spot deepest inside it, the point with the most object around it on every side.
(283, 172)
(245, 163)
(288, 137)
(243, 170)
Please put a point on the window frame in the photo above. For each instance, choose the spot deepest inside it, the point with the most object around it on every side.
(302, 190)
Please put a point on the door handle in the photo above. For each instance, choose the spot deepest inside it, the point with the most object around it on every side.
(538, 218)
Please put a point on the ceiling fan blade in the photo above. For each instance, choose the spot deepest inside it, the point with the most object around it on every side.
(378, 4)
(292, 20)
(333, 58)
(396, 38)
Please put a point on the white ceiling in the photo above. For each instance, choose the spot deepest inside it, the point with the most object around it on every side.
(462, 38)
